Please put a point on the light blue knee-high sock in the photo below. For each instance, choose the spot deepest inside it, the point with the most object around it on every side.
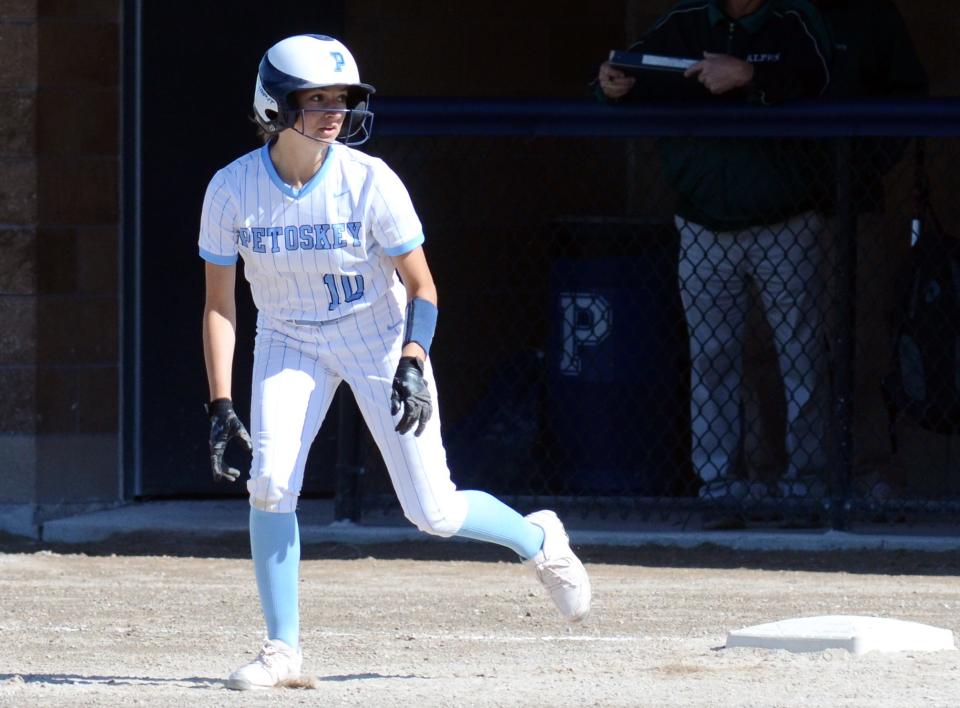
(489, 519)
(275, 546)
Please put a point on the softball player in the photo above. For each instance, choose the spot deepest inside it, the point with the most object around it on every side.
(324, 230)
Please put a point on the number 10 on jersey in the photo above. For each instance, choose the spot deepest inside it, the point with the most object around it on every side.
(351, 287)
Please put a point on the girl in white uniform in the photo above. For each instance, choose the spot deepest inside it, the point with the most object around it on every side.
(324, 230)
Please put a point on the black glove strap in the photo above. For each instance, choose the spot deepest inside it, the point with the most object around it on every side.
(219, 407)
(413, 361)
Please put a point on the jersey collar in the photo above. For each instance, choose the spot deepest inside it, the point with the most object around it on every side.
(286, 188)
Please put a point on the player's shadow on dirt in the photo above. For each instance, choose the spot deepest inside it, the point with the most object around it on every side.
(184, 682)
(365, 677)
(81, 680)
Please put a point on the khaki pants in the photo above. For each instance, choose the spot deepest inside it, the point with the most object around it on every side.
(782, 265)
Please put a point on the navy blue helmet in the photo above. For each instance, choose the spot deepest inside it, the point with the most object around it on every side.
(310, 61)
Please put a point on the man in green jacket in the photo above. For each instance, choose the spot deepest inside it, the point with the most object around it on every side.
(747, 221)
(873, 57)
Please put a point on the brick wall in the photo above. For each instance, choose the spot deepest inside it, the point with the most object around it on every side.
(59, 226)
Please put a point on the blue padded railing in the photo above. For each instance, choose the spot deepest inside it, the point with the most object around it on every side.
(587, 118)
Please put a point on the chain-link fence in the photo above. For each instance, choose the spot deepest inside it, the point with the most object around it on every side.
(742, 314)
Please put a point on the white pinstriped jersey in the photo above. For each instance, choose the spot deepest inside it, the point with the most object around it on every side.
(317, 253)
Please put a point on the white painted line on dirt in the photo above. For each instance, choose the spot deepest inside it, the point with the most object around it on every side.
(493, 638)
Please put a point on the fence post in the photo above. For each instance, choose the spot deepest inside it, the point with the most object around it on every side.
(844, 344)
(347, 504)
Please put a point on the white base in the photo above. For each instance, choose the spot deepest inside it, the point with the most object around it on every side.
(857, 635)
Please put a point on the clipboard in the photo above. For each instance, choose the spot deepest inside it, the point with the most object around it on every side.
(634, 62)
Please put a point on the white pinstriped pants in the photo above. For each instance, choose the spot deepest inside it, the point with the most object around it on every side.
(297, 369)
(783, 261)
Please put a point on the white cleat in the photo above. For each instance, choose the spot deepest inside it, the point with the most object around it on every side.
(558, 569)
(275, 663)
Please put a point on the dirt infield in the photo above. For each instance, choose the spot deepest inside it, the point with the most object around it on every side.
(404, 625)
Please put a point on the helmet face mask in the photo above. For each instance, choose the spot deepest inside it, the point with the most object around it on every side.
(304, 62)
(355, 128)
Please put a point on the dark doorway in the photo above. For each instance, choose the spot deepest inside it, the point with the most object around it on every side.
(199, 67)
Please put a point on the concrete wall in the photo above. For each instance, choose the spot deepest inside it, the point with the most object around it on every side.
(59, 235)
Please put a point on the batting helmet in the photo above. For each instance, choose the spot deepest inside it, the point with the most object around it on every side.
(310, 61)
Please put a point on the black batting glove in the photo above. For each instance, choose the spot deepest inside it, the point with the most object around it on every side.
(411, 393)
(225, 425)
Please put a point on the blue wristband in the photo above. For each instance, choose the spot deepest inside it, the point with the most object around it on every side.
(421, 323)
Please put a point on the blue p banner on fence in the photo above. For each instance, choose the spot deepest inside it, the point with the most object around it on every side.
(617, 377)
(586, 320)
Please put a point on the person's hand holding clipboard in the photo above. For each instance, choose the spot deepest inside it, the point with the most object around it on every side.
(716, 73)
(618, 75)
